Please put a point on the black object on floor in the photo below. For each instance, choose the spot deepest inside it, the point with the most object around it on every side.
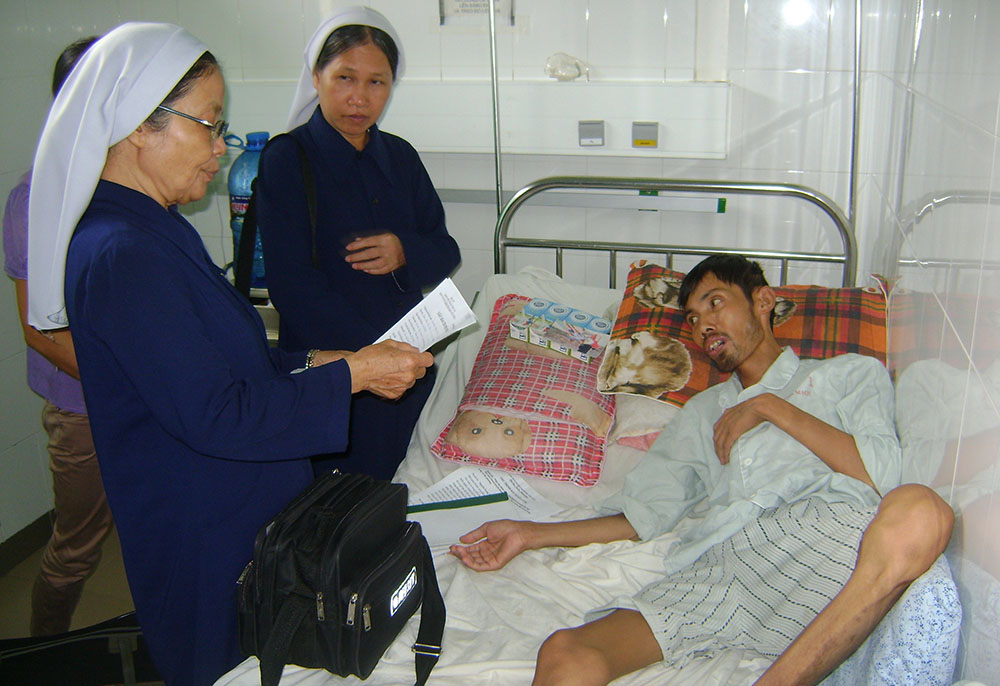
(112, 652)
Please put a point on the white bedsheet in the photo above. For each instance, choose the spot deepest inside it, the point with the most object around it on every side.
(496, 621)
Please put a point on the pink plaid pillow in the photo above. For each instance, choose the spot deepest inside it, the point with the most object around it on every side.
(528, 412)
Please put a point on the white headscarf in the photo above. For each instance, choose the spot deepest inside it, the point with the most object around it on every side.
(114, 87)
(305, 98)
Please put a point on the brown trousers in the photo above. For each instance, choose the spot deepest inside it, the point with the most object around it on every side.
(82, 520)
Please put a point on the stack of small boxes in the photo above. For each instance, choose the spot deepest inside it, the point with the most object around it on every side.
(558, 327)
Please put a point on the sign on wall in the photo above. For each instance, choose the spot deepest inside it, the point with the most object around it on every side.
(470, 11)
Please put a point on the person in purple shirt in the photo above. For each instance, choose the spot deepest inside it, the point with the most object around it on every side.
(82, 518)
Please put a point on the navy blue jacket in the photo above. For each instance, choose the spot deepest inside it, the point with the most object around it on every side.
(199, 427)
(383, 188)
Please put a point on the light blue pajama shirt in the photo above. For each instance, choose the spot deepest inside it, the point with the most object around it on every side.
(772, 536)
(767, 466)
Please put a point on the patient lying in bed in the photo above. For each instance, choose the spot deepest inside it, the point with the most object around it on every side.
(794, 554)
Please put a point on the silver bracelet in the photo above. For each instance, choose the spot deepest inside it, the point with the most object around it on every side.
(311, 358)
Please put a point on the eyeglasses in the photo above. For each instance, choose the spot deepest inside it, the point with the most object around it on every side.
(218, 129)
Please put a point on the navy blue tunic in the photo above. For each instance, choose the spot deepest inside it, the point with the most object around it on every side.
(198, 425)
(383, 188)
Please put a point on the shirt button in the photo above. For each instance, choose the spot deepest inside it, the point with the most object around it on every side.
(747, 462)
(374, 201)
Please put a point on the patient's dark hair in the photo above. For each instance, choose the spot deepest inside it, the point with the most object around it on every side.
(735, 270)
(67, 59)
(353, 35)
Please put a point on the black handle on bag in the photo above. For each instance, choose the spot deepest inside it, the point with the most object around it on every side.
(275, 651)
(248, 236)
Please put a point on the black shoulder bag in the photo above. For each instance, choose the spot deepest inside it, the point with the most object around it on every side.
(248, 234)
(334, 578)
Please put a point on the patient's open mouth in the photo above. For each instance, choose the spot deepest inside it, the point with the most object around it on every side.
(714, 344)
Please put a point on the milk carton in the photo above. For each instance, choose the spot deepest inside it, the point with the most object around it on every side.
(519, 324)
(535, 307)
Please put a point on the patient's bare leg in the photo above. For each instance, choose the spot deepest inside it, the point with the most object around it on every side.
(909, 531)
(597, 652)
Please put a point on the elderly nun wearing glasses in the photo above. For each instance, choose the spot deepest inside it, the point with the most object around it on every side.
(200, 427)
(378, 236)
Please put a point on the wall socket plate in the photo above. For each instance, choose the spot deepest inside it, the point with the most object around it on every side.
(591, 132)
(645, 134)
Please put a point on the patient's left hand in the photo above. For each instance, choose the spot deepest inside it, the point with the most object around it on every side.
(736, 421)
(492, 545)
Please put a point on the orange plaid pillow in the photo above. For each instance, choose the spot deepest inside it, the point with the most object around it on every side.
(652, 353)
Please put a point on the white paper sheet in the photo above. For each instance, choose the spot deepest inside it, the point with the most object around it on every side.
(441, 313)
(444, 526)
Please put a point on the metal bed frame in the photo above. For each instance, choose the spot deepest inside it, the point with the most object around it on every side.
(502, 240)
(926, 206)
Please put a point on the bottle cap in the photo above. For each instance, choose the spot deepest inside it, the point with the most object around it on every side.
(257, 139)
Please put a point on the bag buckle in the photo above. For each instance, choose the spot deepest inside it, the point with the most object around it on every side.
(426, 649)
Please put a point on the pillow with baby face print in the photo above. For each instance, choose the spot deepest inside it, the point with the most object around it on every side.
(529, 410)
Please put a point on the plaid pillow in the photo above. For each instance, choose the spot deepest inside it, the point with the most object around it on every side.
(920, 329)
(526, 412)
(665, 363)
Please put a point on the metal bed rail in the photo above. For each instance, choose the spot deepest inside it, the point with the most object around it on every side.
(925, 207)
(502, 241)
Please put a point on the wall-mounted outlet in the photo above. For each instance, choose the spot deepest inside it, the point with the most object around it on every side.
(591, 132)
(645, 134)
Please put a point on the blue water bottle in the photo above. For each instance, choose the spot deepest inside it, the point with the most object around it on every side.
(241, 176)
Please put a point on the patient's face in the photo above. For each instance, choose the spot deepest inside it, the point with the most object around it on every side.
(489, 435)
(723, 322)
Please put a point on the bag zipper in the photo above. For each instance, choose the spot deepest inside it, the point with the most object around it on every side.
(320, 609)
(352, 607)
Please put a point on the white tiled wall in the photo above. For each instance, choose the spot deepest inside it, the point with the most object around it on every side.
(788, 63)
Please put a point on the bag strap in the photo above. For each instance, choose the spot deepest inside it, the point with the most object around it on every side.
(248, 234)
(432, 615)
(275, 651)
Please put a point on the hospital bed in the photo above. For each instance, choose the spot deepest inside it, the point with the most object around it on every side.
(497, 620)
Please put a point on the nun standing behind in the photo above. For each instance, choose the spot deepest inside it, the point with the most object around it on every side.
(200, 427)
(380, 229)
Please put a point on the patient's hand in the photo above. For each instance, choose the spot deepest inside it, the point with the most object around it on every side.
(737, 420)
(492, 545)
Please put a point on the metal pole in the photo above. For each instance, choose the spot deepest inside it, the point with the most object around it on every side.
(852, 200)
(496, 105)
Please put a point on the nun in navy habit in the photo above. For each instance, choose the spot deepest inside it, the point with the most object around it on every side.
(380, 235)
(200, 427)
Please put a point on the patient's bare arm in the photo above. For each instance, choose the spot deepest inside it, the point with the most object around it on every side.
(494, 544)
(835, 447)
